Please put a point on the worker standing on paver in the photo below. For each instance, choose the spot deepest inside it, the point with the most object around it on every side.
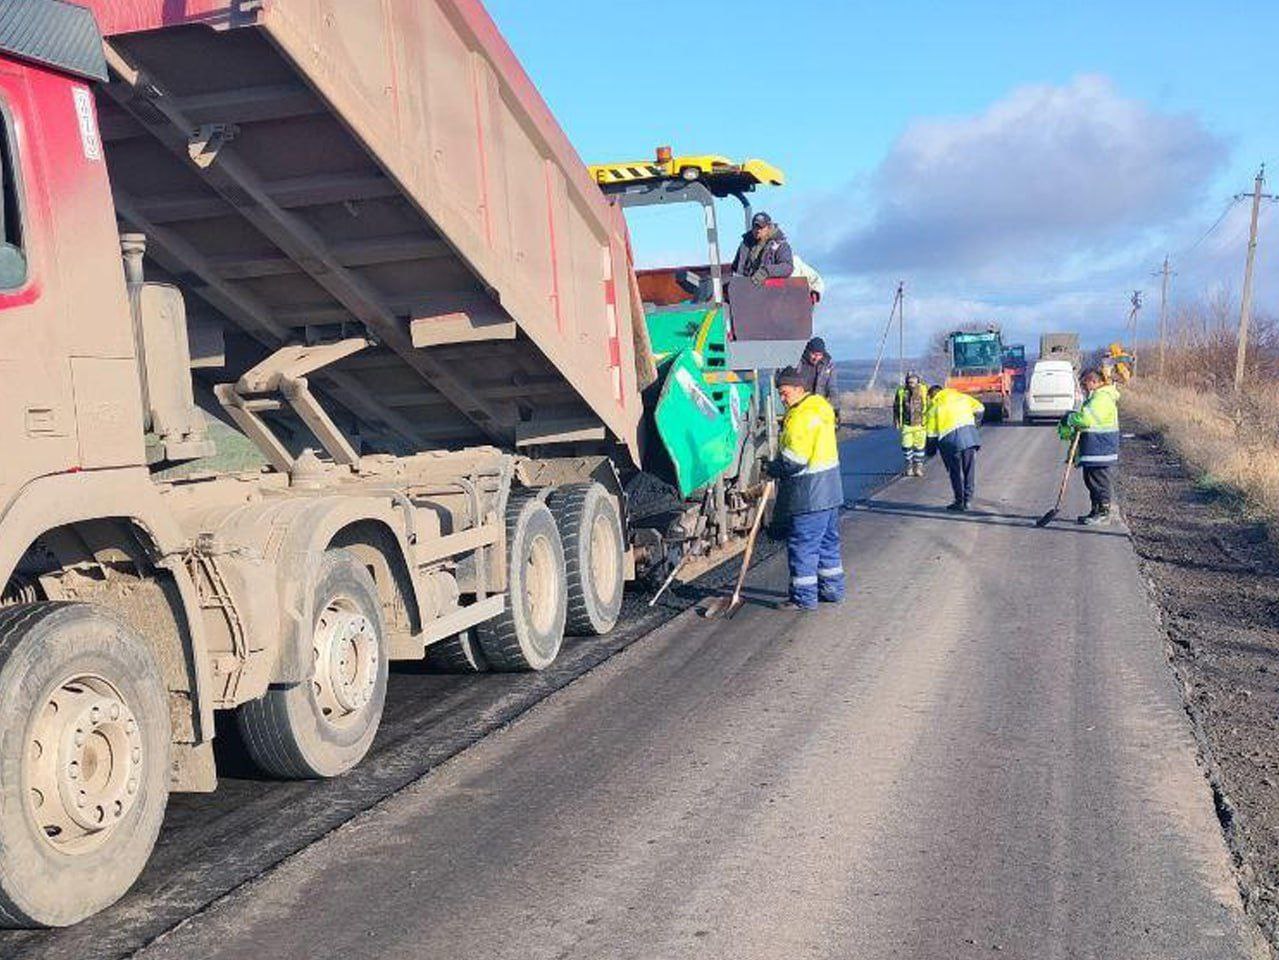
(816, 285)
(810, 493)
(765, 253)
(909, 406)
(1097, 423)
(951, 426)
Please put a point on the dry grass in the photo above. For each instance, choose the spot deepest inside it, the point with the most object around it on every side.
(1232, 441)
(1234, 445)
(865, 399)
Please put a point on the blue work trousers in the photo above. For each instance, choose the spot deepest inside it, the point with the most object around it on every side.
(962, 467)
(816, 567)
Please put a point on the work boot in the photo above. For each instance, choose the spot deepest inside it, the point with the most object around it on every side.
(919, 469)
(793, 606)
(1099, 519)
(957, 507)
(1089, 517)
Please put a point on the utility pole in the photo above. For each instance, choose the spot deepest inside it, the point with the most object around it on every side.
(892, 315)
(901, 331)
(1165, 273)
(1135, 300)
(1245, 304)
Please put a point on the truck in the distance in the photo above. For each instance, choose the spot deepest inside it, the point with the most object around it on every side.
(976, 360)
(354, 233)
(1015, 364)
(1061, 346)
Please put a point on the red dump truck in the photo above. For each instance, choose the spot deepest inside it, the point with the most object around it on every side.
(353, 231)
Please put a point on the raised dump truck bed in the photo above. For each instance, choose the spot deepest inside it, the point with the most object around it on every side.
(364, 167)
(358, 226)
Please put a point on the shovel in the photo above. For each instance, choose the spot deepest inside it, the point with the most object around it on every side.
(725, 607)
(1051, 515)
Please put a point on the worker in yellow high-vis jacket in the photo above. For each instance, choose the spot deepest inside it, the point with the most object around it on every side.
(951, 419)
(810, 493)
(909, 406)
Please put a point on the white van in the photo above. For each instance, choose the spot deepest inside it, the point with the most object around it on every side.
(1051, 391)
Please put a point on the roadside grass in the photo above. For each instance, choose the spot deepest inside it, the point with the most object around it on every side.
(1232, 445)
(861, 410)
(876, 399)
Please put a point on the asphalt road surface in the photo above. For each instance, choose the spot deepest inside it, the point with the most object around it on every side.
(982, 751)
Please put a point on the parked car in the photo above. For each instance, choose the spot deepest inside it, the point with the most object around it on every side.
(1051, 392)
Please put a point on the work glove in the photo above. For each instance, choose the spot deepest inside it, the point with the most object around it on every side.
(930, 447)
(759, 276)
(774, 468)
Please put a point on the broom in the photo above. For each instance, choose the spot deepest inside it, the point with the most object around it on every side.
(1051, 515)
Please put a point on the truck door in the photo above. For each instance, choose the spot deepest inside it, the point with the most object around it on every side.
(37, 417)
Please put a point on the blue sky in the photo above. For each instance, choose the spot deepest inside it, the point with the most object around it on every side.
(1026, 163)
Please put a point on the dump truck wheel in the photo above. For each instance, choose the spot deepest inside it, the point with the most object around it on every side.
(527, 635)
(458, 654)
(324, 726)
(591, 528)
(84, 761)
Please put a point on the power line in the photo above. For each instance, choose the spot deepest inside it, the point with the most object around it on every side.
(892, 315)
(1230, 205)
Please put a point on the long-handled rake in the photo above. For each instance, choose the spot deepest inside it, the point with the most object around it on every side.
(727, 606)
(1051, 515)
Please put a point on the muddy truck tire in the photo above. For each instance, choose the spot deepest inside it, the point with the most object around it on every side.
(84, 761)
(458, 654)
(529, 632)
(591, 530)
(324, 726)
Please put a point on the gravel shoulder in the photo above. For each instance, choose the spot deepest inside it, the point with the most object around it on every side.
(1214, 575)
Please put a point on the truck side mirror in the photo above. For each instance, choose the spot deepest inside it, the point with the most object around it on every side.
(13, 267)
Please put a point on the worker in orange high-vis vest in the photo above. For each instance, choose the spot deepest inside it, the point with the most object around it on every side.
(810, 493)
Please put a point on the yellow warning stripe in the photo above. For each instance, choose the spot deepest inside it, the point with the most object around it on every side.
(626, 172)
(704, 331)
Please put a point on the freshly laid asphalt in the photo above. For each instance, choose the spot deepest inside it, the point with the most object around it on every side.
(982, 751)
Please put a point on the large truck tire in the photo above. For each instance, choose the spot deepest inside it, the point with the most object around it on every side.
(529, 632)
(84, 761)
(324, 726)
(460, 653)
(594, 556)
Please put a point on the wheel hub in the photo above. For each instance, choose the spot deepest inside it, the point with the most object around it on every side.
(84, 763)
(346, 661)
(539, 584)
(604, 567)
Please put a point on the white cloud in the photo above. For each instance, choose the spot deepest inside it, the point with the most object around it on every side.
(1043, 211)
(1050, 176)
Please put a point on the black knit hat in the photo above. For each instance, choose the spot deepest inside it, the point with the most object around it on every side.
(761, 219)
(789, 377)
(816, 344)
